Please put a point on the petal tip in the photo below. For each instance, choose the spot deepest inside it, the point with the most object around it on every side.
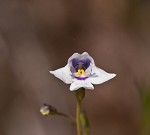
(114, 75)
(71, 89)
(91, 88)
(51, 72)
(85, 53)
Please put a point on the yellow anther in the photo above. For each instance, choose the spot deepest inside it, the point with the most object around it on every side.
(81, 72)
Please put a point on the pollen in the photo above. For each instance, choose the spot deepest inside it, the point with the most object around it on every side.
(81, 72)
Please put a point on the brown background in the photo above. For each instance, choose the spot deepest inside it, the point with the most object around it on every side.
(40, 35)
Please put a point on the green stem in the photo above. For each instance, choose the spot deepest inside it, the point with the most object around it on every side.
(84, 123)
(78, 111)
(79, 96)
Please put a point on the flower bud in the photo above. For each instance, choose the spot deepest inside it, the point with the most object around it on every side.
(48, 110)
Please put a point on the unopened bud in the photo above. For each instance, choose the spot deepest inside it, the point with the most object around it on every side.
(47, 109)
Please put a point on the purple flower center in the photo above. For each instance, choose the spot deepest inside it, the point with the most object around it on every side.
(80, 63)
(78, 68)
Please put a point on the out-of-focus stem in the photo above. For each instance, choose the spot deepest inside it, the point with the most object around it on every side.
(84, 123)
(78, 124)
(70, 118)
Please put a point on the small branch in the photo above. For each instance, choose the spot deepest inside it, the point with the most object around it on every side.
(47, 110)
(70, 118)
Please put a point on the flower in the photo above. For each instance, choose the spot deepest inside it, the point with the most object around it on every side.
(81, 72)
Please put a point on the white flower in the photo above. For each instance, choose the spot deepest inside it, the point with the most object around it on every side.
(81, 72)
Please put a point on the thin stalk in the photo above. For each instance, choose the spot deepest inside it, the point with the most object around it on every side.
(84, 123)
(78, 124)
(79, 97)
(70, 118)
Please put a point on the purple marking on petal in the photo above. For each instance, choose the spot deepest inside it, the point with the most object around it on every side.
(86, 62)
(81, 78)
(75, 62)
(80, 63)
(72, 69)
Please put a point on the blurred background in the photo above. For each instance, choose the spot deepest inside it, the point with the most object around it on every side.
(40, 35)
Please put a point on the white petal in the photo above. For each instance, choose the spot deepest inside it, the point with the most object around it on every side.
(75, 55)
(86, 55)
(100, 76)
(63, 74)
(81, 84)
(88, 70)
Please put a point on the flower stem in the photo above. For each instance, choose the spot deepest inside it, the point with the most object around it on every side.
(79, 96)
(78, 111)
(84, 123)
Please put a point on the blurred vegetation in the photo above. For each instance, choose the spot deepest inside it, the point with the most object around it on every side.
(38, 36)
(146, 120)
